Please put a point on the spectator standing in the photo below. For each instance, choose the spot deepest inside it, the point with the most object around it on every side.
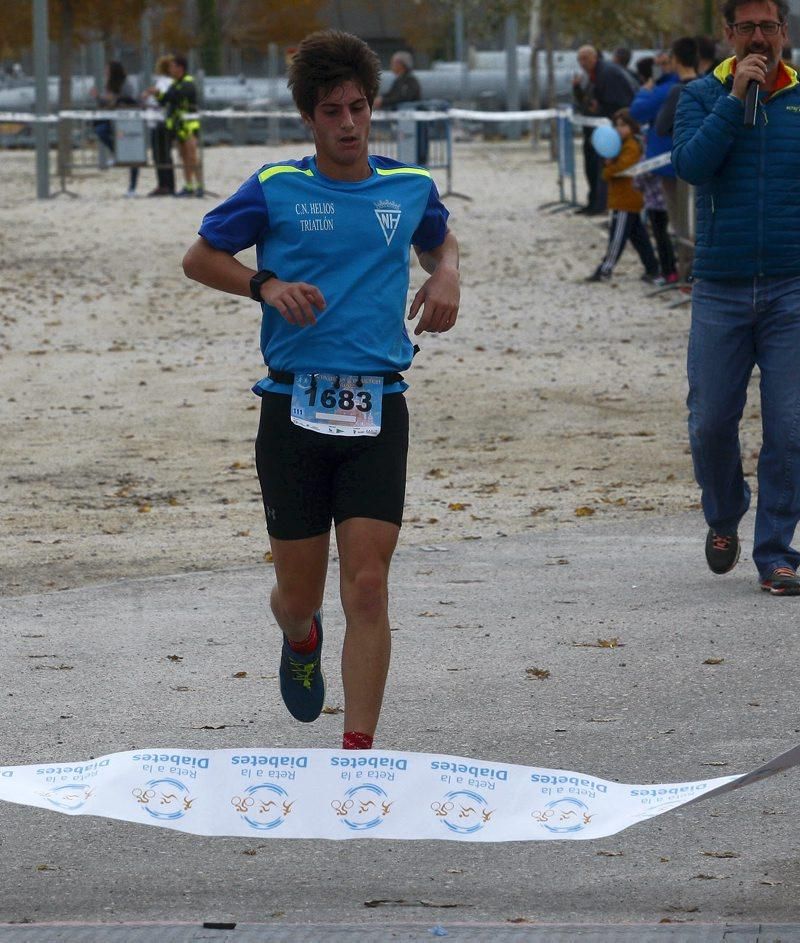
(644, 71)
(644, 108)
(746, 293)
(622, 58)
(405, 87)
(602, 90)
(337, 227)
(159, 135)
(180, 101)
(707, 58)
(118, 92)
(625, 203)
(684, 60)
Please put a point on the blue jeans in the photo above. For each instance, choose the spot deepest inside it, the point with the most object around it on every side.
(736, 325)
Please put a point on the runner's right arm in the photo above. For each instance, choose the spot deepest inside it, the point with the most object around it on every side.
(294, 301)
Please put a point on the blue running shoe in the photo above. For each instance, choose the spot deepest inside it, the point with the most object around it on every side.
(302, 683)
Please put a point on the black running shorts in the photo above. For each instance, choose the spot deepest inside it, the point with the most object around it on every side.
(309, 479)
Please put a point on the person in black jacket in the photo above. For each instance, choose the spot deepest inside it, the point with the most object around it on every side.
(601, 92)
(405, 88)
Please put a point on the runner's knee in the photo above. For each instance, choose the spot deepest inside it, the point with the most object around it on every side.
(295, 604)
(365, 594)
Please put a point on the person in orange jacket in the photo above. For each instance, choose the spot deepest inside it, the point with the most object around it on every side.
(625, 203)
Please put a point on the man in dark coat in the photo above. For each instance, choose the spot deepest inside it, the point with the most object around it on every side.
(599, 93)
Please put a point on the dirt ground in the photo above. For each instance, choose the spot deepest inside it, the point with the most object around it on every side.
(126, 416)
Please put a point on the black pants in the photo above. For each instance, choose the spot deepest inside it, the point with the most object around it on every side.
(625, 226)
(593, 167)
(162, 158)
(659, 223)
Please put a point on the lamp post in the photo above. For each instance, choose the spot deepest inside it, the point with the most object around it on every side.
(41, 69)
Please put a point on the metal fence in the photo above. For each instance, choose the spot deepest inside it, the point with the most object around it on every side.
(421, 134)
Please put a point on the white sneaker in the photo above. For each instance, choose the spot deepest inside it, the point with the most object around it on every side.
(130, 193)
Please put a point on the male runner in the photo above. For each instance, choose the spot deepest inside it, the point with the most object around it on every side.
(332, 234)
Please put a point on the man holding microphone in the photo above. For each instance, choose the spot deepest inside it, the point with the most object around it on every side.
(746, 295)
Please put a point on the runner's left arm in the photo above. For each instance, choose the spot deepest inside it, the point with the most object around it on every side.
(438, 298)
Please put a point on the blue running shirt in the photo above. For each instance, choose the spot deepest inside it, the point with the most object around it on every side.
(351, 240)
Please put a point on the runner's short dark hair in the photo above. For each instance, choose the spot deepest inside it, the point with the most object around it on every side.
(326, 60)
(730, 7)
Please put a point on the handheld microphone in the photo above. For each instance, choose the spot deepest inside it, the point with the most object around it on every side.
(750, 104)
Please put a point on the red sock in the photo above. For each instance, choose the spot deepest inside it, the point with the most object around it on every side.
(353, 740)
(307, 646)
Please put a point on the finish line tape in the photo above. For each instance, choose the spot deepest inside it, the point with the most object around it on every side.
(354, 794)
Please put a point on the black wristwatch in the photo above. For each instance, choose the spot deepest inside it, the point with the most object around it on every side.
(257, 281)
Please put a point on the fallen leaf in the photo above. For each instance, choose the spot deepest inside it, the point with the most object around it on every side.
(174, 657)
(713, 661)
(240, 674)
(332, 710)
(457, 506)
(609, 854)
(709, 877)
(268, 557)
(584, 511)
(721, 854)
(45, 867)
(601, 643)
(539, 673)
(250, 852)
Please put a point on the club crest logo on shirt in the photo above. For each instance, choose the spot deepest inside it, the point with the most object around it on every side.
(388, 213)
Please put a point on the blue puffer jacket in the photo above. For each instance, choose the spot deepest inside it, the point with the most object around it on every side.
(747, 179)
(644, 108)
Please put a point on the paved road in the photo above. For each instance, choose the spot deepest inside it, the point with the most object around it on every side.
(151, 663)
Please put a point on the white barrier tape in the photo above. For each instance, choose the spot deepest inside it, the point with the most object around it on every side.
(645, 166)
(228, 114)
(24, 117)
(353, 794)
(471, 115)
(584, 121)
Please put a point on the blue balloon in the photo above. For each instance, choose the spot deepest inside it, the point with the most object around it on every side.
(606, 141)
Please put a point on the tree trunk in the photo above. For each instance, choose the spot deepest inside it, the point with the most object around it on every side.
(65, 59)
(210, 37)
